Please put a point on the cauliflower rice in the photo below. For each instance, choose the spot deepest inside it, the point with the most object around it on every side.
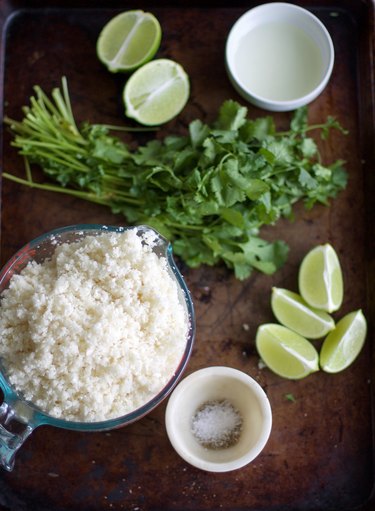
(96, 331)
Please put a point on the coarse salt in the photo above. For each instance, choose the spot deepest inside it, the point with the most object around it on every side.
(217, 424)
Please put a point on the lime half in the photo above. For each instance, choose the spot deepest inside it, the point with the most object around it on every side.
(342, 346)
(293, 312)
(156, 92)
(285, 352)
(128, 41)
(320, 278)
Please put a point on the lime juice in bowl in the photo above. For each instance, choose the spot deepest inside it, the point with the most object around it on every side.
(282, 50)
(279, 56)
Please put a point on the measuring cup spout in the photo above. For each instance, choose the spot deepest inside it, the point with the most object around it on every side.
(13, 433)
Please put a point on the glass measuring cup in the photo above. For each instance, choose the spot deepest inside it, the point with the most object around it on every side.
(19, 417)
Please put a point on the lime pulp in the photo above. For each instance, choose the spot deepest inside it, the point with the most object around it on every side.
(157, 92)
(129, 40)
(293, 312)
(342, 346)
(320, 279)
(285, 352)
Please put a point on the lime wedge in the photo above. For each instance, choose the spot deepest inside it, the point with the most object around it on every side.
(320, 279)
(156, 92)
(342, 346)
(128, 41)
(293, 312)
(285, 352)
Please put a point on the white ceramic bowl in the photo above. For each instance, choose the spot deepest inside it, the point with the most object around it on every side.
(213, 384)
(279, 56)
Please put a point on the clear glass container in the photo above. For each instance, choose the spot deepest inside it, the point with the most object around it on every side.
(18, 417)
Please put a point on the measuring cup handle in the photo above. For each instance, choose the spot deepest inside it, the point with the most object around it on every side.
(13, 433)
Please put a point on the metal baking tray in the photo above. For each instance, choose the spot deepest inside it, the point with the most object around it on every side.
(320, 455)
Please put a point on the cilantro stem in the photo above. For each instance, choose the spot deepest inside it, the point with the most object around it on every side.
(50, 145)
(51, 188)
(187, 227)
(135, 129)
(331, 123)
(89, 196)
(28, 171)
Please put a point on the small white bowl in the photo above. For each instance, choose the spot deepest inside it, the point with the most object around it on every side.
(215, 384)
(279, 56)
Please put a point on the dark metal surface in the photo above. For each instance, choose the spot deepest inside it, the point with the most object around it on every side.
(320, 453)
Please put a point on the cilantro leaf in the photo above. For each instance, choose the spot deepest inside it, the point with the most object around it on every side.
(231, 116)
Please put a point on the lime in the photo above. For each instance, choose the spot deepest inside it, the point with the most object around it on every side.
(156, 92)
(293, 312)
(342, 346)
(128, 40)
(320, 278)
(285, 352)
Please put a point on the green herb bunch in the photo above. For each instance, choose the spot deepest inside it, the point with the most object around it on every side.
(208, 192)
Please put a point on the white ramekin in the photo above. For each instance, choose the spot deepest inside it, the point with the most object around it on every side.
(280, 12)
(219, 383)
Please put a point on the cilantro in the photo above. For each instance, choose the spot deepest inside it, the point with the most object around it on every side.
(209, 192)
(290, 397)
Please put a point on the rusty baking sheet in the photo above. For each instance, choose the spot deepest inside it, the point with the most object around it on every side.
(320, 455)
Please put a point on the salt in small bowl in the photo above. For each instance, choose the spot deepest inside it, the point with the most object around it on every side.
(218, 384)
